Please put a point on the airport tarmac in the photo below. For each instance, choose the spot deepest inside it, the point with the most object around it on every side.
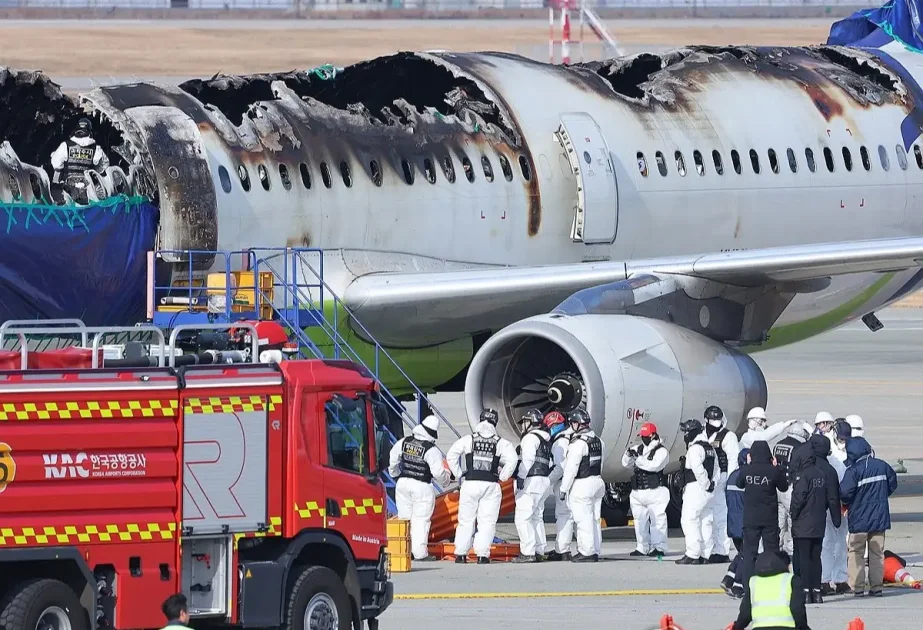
(849, 370)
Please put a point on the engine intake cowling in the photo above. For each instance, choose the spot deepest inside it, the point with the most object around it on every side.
(624, 370)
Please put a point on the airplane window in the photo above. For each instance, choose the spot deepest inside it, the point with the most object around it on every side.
(899, 151)
(642, 164)
(809, 156)
(918, 155)
(773, 161)
(264, 176)
(661, 163)
(225, 179)
(735, 160)
(408, 172)
(488, 169)
(699, 163)
(448, 168)
(847, 159)
(792, 161)
(505, 167)
(305, 175)
(716, 158)
(375, 169)
(524, 167)
(325, 175)
(429, 171)
(866, 161)
(345, 174)
(680, 164)
(755, 161)
(244, 177)
(469, 172)
(283, 175)
(828, 158)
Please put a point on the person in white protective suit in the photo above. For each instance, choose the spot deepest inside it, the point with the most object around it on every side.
(759, 430)
(416, 462)
(858, 426)
(833, 553)
(717, 550)
(798, 434)
(561, 434)
(649, 493)
(700, 468)
(582, 486)
(481, 462)
(823, 424)
(532, 488)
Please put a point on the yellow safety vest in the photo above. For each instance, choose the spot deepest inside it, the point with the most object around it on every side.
(770, 599)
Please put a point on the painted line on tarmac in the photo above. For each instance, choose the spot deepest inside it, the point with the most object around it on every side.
(527, 595)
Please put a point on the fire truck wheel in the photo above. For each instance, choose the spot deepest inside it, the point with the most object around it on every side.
(318, 602)
(42, 605)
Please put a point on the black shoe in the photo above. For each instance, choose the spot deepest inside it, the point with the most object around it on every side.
(718, 559)
(876, 593)
(638, 554)
(827, 590)
(539, 557)
(656, 553)
(842, 589)
(554, 556)
(461, 559)
(581, 558)
(429, 558)
(483, 560)
(859, 594)
(521, 559)
(726, 583)
(687, 560)
(737, 591)
(817, 597)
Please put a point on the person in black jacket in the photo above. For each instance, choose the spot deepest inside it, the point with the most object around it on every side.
(760, 479)
(812, 498)
(769, 565)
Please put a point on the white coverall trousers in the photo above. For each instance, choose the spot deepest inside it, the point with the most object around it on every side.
(785, 521)
(649, 511)
(416, 501)
(530, 515)
(585, 501)
(719, 543)
(563, 522)
(477, 500)
(833, 553)
(697, 519)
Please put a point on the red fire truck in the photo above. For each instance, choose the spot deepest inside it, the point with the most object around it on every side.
(249, 487)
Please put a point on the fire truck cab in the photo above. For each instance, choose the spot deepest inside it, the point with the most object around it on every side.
(249, 487)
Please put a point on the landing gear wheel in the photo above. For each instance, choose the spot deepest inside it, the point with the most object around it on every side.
(318, 602)
(42, 605)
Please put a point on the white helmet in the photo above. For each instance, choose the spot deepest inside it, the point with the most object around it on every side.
(858, 427)
(756, 419)
(798, 431)
(821, 417)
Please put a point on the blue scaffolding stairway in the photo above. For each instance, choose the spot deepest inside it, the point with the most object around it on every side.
(280, 284)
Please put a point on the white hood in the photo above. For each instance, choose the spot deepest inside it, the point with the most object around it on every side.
(84, 142)
(485, 429)
(420, 433)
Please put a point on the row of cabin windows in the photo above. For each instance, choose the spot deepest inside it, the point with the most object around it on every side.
(429, 172)
(754, 158)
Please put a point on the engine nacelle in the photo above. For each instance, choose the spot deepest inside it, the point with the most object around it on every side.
(624, 370)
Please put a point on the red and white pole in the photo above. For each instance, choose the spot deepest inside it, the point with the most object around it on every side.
(550, 34)
(565, 32)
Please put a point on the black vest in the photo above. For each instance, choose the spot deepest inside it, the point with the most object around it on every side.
(483, 462)
(591, 464)
(79, 159)
(710, 460)
(783, 450)
(646, 480)
(716, 441)
(541, 467)
(413, 460)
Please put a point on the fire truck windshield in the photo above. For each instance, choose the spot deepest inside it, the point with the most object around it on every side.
(348, 433)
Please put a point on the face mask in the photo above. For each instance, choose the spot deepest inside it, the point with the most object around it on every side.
(646, 440)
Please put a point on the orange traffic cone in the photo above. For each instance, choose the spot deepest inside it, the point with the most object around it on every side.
(856, 624)
(895, 571)
(666, 623)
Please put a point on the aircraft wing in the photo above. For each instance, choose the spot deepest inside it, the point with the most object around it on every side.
(405, 308)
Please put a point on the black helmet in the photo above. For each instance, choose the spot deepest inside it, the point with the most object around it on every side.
(491, 416)
(713, 413)
(84, 128)
(534, 417)
(579, 416)
(691, 426)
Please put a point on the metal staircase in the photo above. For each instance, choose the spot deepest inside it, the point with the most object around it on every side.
(285, 285)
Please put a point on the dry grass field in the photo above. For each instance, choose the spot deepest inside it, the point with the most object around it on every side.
(148, 48)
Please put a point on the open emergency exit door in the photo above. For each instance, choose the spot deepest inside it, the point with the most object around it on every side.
(596, 214)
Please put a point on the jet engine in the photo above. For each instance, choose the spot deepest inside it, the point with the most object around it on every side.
(622, 369)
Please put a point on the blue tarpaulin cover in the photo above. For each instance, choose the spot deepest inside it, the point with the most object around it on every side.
(898, 19)
(76, 261)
